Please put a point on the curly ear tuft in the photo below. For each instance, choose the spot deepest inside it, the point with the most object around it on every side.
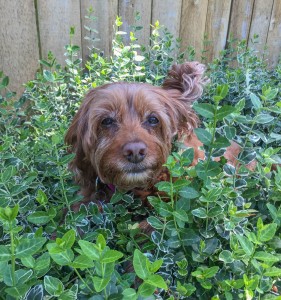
(188, 79)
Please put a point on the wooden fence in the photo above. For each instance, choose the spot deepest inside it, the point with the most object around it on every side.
(30, 28)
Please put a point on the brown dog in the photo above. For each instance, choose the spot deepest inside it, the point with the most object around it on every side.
(123, 132)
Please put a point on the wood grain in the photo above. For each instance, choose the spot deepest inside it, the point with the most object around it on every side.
(55, 20)
(193, 22)
(19, 52)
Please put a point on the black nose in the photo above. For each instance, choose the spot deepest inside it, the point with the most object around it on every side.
(135, 152)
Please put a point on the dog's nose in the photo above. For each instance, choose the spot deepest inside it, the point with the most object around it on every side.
(135, 152)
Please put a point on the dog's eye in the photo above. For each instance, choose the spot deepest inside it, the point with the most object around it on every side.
(107, 122)
(152, 120)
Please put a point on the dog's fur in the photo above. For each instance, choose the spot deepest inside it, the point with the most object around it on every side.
(115, 134)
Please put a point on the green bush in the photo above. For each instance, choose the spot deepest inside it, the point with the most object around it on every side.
(217, 235)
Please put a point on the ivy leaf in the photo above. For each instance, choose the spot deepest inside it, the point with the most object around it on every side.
(140, 264)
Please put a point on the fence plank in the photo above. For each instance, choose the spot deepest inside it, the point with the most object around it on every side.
(168, 13)
(55, 20)
(240, 19)
(19, 52)
(216, 27)
(274, 34)
(105, 12)
(260, 24)
(128, 10)
(193, 21)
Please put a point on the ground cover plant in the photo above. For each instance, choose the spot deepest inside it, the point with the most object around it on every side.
(217, 234)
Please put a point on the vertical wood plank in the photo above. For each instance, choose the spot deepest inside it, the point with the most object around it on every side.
(274, 34)
(55, 20)
(260, 23)
(128, 10)
(193, 21)
(105, 12)
(19, 52)
(240, 19)
(216, 27)
(168, 13)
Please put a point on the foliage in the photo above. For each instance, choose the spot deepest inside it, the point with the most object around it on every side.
(217, 232)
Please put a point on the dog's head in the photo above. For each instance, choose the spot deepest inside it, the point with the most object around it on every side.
(123, 132)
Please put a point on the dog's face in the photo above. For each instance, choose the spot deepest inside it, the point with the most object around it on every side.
(123, 133)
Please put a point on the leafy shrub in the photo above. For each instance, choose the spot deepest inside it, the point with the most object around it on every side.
(217, 235)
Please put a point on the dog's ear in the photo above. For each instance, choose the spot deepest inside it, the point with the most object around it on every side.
(78, 138)
(184, 85)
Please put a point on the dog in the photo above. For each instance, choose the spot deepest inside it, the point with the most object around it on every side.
(123, 132)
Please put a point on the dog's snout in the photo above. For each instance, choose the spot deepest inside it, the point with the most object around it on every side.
(135, 152)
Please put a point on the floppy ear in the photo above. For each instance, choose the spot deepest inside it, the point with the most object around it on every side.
(184, 85)
(79, 137)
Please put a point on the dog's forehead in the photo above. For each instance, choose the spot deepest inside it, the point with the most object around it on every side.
(134, 96)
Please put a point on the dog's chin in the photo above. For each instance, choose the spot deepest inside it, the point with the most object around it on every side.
(133, 179)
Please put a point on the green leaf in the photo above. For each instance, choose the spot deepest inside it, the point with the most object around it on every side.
(267, 232)
(101, 242)
(41, 197)
(224, 111)
(204, 109)
(226, 256)
(29, 246)
(210, 272)
(89, 249)
(82, 262)
(247, 246)
(18, 291)
(53, 285)
(146, 290)
(155, 266)
(200, 213)
(157, 281)
(111, 256)
(60, 256)
(203, 135)
(155, 223)
(48, 76)
(100, 283)
(255, 101)
(129, 294)
(69, 239)
(164, 186)
(189, 237)
(5, 254)
(8, 173)
(263, 119)
(39, 218)
(188, 193)
(229, 132)
(273, 272)
(267, 257)
(140, 264)
(5, 81)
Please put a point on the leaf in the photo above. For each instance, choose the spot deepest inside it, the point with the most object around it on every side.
(273, 272)
(255, 101)
(18, 291)
(204, 109)
(200, 213)
(225, 111)
(5, 81)
(100, 283)
(189, 237)
(29, 246)
(155, 266)
(69, 239)
(82, 262)
(267, 257)
(140, 264)
(157, 281)
(210, 272)
(60, 256)
(111, 256)
(226, 257)
(53, 285)
(89, 249)
(146, 290)
(48, 76)
(188, 193)
(8, 173)
(5, 254)
(164, 186)
(263, 119)
(267, 232)
(39, 218)
(155, 223)
(229, 132)
(203, 135)
(129, 294)
(247, 246)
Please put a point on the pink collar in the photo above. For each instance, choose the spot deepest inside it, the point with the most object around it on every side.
(111, 187)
